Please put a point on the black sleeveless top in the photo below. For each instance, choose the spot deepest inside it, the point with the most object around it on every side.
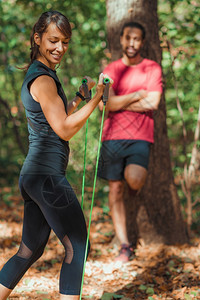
(48, 153)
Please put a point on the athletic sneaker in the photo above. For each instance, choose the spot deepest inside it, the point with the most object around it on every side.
(125, 253)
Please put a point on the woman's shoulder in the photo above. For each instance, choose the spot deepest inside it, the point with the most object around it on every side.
(37, 69)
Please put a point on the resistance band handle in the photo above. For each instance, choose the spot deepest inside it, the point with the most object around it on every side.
(106, 82)
(87, 93)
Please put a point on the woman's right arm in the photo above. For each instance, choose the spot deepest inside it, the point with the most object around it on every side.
(76, 101)
(44, 91)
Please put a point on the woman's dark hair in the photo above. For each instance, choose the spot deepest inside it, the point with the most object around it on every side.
(41, 26)
(134, 25)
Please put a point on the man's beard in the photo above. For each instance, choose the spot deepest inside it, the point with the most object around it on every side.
(131, 55)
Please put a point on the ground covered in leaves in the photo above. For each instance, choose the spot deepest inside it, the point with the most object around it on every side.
(155, 272)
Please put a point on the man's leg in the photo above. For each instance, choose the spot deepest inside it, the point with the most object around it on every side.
(135, 176)
(114, 156)
(116, 204)
(4, 292)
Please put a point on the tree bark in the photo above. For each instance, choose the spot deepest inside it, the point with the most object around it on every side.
(155, 214)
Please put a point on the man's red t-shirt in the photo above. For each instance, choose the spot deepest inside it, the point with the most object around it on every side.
(129, 125)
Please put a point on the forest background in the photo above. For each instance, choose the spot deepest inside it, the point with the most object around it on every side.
(179, 25)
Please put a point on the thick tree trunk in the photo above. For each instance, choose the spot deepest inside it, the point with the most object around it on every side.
(155, 214)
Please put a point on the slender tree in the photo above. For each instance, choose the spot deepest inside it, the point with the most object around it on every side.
(155, 214)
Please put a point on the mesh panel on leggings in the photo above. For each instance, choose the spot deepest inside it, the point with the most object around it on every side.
(68, 249)
(24, 251)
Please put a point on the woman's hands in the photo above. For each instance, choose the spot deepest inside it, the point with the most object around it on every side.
(90, 82)
(100, 86)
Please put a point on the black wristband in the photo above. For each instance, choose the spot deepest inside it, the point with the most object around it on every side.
(80, 96)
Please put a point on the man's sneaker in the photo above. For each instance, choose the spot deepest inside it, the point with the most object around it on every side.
(125, 253)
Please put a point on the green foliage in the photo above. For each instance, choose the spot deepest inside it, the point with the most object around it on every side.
(110, 296)
(179, 26)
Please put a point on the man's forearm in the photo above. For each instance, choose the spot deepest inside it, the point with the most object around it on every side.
(151, 102)
(140, 106)
(116, 103)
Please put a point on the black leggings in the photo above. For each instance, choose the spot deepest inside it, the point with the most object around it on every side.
(49, 203)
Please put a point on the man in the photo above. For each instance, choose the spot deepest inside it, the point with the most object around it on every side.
(128, 130)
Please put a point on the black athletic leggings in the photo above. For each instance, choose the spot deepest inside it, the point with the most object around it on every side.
(49, 203)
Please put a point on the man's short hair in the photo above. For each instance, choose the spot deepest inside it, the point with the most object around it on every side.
(134, 25)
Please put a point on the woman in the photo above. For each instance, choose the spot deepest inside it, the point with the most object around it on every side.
(49, 201)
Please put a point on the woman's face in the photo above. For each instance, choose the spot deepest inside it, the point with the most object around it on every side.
(52, 46)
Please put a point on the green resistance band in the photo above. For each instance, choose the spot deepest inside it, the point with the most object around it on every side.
(88, 97)
(104, 99)
(83, 180)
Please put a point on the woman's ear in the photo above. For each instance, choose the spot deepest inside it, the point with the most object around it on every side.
(37, 39)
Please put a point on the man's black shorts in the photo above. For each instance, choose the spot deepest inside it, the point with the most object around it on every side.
(117, 154)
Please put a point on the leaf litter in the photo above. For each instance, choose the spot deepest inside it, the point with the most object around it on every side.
(155, 272)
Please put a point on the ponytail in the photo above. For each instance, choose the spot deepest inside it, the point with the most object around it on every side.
(34, 47)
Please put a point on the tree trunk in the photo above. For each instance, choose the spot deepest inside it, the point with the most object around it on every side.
(155, 214)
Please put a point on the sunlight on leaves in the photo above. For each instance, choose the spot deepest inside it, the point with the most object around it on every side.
(187, 297)
(142, 287)
(110, 296)
(150, 291)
